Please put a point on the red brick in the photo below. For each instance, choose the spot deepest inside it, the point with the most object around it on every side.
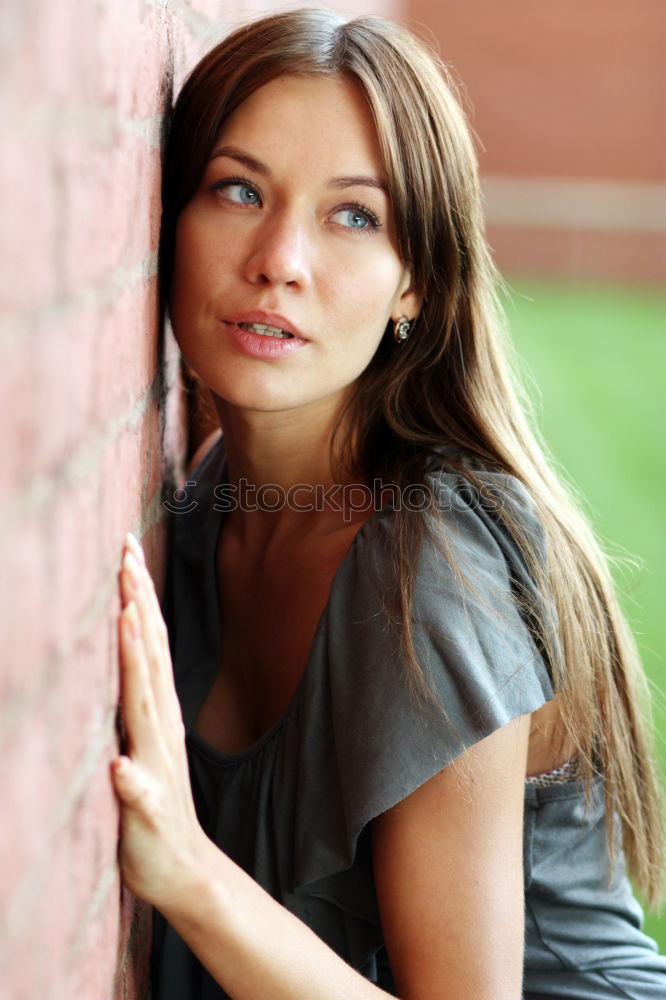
(24, 976)
(20, 437)
(188, 49)
(73, 870)
(154, 465)
(66, 349)
(214, 10)
(27, 233)
(125, 62)
(84, 702)
(52, 920)
(109, 219)
(24, 598)
(46, 386)
(90, 972)
(121, 475)
(18, 51)
(110, 61)
(126, 349)
(146, 89)
(44, 752)
(92, 836)
(73, 561)
(145, 232)
(49, 64)
(120, 64)
(32, 790)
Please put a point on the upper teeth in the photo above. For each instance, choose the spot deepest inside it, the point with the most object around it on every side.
(265, 331)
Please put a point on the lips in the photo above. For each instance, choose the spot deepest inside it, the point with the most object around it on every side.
(266, 324)
(264, 336)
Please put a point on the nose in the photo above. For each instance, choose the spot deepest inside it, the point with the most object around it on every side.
(280, 253)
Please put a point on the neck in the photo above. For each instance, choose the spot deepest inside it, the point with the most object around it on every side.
(290, 452)
(282, 448)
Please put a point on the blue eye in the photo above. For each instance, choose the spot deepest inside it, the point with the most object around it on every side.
(355, 220)
(356, 217)
(239, 191)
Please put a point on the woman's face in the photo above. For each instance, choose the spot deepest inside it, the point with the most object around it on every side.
(286, 268)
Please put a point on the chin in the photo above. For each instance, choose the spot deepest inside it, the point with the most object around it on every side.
(258, 399)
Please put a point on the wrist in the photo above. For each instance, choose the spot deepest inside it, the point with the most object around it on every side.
(199, 887)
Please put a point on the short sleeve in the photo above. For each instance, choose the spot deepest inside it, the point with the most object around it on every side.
(378, 740)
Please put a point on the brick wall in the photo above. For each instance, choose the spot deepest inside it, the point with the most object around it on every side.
(92, 422)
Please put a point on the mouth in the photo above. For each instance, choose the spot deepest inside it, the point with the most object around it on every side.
(267, 331)
(268, 336)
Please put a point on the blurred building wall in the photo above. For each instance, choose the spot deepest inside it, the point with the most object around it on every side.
(568, 99)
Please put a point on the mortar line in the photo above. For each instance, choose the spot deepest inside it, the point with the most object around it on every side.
(16, 323)
(14, 710)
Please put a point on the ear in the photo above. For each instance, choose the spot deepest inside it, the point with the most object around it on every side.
(407, 302)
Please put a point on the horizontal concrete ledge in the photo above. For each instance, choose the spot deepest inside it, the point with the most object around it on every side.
(560, 203)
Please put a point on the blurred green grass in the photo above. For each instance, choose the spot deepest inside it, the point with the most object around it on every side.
(595, 362)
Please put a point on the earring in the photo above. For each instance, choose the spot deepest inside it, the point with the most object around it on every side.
(401, 328)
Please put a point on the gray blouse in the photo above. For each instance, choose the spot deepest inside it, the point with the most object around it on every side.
(294, 808)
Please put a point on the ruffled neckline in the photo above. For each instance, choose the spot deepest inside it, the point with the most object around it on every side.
(211, 538)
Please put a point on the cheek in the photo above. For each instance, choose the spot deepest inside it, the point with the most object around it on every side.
(194, 287)
(368, 292)
(188, 292)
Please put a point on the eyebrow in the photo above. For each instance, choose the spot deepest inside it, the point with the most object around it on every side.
(350, 180)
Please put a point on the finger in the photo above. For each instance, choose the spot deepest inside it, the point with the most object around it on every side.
(133, 543)
(138, 588)
(131, 784)
(137, 585)
(140, 713)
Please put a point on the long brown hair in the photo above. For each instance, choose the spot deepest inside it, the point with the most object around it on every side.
(452, 381)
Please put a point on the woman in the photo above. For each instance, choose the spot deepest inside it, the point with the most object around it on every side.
(408, 696)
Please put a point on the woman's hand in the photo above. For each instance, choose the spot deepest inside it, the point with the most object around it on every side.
(161, 838)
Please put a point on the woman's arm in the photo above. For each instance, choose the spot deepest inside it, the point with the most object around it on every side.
(448, 866)
(449, 874)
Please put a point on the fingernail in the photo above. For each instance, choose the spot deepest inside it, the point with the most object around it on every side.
(133, 569)
(135, 545)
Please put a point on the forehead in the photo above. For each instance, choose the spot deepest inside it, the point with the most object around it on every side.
(309, 117)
